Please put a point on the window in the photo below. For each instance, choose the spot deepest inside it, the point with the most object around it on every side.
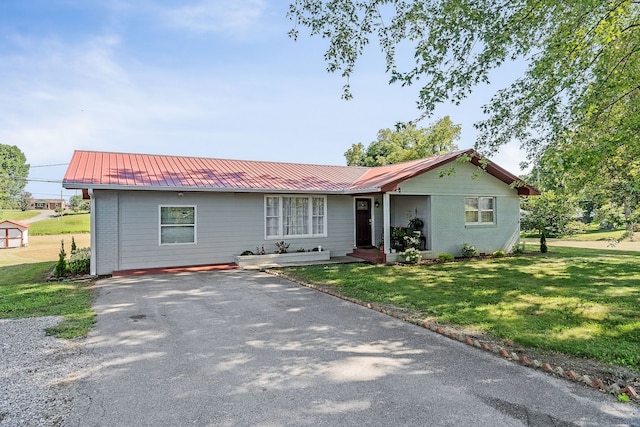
(177, 225)
(295, 216)
(479, 210)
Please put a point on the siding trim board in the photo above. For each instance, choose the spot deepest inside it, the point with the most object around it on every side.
(230, 217)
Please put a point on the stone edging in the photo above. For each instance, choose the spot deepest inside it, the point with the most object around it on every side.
(571, 375)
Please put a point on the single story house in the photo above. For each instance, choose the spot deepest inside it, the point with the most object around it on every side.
(13, 234)
(154, 211)
(48, 204)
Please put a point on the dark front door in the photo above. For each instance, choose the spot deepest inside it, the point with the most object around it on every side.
(363, 222)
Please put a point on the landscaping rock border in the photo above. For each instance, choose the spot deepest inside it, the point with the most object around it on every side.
(596, 383)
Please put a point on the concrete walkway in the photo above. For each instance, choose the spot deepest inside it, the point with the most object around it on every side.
(236, 348)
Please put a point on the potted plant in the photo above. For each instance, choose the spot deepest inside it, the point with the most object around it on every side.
(416, 223)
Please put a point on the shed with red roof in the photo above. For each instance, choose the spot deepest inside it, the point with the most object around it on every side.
(151, 211)
(13, 234)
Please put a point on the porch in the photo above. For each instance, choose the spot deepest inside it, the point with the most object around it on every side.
(394, 222)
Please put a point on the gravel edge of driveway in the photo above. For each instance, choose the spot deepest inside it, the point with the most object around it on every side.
(36, 372)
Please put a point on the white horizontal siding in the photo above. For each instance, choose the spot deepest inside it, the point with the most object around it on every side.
(106, 231)
(466, 179)
(226, 225)
(449, 232)
(445, 226)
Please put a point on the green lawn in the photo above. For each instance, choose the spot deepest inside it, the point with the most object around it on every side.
(66, 224)
(580, 302)
(25, 293)
(17, 215)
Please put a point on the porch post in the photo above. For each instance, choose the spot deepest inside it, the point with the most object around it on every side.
(386, 222)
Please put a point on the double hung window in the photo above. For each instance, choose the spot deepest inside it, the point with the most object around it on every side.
(295, 216)
(479, 210)
(177, 225)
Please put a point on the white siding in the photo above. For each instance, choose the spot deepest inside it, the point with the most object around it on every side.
(226, 225)
(106, 234)
(446, 224)
(466, 179)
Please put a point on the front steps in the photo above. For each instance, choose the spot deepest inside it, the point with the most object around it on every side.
(369, 254)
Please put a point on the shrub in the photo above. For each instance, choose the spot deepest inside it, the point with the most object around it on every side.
(499, 253)
(61, 266)
(80, 261)
(520, 247)
(575, 227)
(469, 251)
(282, 247)
(411, 255)
(247, 252)
(445, 257)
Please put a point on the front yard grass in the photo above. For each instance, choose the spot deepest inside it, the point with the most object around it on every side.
(24, 292)
(581, 302)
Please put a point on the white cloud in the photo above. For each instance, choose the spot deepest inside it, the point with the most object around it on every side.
(216, 16)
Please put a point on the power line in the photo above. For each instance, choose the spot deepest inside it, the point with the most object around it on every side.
(44, 180)
(46, 166)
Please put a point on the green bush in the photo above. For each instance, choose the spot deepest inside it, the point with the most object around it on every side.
(469, 251)
(499, 253)
(520, 247)
(61, 265)
(245, 253)
(80, 261)
(445, 257)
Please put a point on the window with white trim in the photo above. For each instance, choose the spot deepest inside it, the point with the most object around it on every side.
(479, 210)
(295, 216)
(177, 225)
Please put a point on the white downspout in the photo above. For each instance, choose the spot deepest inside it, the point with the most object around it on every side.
(92, 230)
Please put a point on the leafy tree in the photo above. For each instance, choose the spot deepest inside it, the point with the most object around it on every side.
(550, 213)
(77, 203)
(13, 174)
(406, 143)
(581, 58)
(26, 199)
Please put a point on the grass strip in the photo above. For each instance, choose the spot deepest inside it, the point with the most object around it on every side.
(25, 293)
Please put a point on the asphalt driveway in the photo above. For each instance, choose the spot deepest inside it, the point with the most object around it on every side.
(237, 348)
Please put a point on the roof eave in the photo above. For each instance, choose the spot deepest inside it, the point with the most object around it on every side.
(82, 186)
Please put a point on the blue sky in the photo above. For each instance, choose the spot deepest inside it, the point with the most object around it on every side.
(211, 78)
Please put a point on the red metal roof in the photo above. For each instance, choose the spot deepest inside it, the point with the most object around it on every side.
(93, 169)
(16, 223)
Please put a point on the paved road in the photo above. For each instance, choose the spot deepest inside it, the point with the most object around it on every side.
(240, 348)
(45, 214)
(597, 244)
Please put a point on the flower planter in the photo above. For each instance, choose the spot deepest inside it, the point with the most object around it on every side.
(277, 260)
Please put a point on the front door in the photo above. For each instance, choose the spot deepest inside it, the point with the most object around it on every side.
(363, 222)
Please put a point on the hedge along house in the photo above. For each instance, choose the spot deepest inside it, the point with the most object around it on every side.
(151, 211)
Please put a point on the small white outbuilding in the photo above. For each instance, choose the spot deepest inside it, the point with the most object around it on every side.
(13, 234)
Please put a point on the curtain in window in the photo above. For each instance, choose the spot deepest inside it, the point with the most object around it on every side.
(318, 215)
(273, 216)
(295, 216)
